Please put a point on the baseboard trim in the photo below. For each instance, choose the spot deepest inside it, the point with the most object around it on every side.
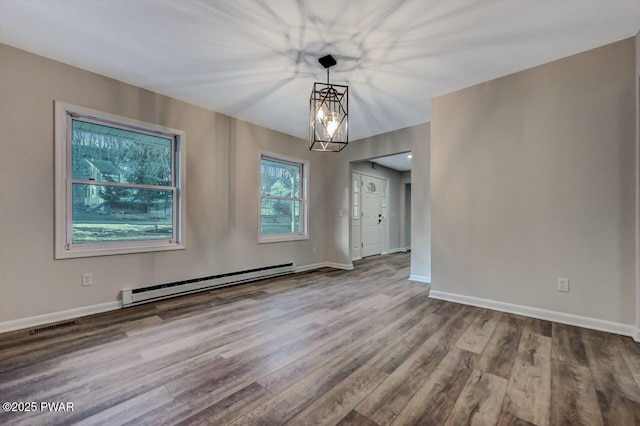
(58, 316)
(304, 268)
(343, 266)
(398, 250)
(420, 278)
(310, 267)
(544, 314)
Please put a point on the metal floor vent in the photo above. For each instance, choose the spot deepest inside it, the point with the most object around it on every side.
(53, 327)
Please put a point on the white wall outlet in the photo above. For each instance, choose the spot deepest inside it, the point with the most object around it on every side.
(87, 279)
(563, 284)
(313, 250)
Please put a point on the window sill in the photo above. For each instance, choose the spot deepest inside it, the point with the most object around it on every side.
(77, 252)
(265, 239)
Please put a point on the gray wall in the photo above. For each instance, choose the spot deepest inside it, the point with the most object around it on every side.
(637, 92)
(405, 214)
(533, 178)
(222, 191)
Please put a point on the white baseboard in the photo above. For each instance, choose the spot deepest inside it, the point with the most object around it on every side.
(343, 266)
(30, 322)
(303, 268)
(420, 278)
(544, 314)
(310, 267)
(356, 258)
(398, 250)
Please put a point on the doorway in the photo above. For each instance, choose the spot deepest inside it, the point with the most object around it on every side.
(375, 229)
(370, 215)
(379, 219)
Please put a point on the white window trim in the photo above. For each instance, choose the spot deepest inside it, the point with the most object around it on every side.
(304, 219)
(63, 212)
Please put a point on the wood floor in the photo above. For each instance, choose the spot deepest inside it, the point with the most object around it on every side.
(364, 347)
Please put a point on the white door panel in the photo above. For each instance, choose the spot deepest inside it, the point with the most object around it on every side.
(372, 226)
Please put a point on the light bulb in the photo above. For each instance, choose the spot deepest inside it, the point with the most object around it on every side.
(331, 124)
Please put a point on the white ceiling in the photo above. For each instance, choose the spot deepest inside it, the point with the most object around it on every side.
(400, 162)
(257, 59)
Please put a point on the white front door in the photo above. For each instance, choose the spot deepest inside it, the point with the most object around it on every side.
(374, 209)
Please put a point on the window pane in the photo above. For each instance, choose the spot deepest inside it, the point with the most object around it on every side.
(356, 198)
(371, 187)
(280, 216)
(280, 179)
(109, 154)
(107, 213)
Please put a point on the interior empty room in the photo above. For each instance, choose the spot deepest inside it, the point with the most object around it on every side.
(269, 212)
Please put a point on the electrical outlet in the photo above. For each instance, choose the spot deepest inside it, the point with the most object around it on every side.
(87, 279)
(563, 284)
(313, 250)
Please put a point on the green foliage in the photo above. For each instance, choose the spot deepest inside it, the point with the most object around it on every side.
(105, 154)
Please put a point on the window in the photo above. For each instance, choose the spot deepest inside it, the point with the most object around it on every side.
(283, 198)
(118, 185)
(383, 200)
(356, 199)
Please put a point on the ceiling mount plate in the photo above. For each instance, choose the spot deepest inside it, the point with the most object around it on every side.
(327, 61)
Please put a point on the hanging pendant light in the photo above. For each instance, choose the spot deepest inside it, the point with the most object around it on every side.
(328, 113)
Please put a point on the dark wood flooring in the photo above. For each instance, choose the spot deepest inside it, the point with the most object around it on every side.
(364, 347)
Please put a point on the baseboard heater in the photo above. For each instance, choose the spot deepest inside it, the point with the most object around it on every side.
(136, 296)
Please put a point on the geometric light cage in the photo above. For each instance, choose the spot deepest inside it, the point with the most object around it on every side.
(328, 117)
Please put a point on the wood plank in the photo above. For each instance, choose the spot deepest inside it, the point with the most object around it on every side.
(214, 379)
(433, 401)
(331, 407)
(228, 409)
(506, 419)
(388, 399)
(500, 352)
(631, 355)
(573, 396)
(477, 336)
(480, 400)
(539, 327)
(393, 356)
(370, 320)
(618, 410)
(356, 419)
(529, 387)
(609, 370)
(293, 399)
(282, 407)
(396, 320)
(567, 345)
(130, 409)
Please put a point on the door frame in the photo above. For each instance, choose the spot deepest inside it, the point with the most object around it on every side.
(351, 224)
